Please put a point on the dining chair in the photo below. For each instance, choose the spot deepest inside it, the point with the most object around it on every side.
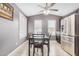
(37, 44)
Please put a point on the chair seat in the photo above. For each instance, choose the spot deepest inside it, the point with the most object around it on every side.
(38, 45)
(45, 43)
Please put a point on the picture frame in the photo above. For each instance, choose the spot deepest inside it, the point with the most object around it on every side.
(6, 11)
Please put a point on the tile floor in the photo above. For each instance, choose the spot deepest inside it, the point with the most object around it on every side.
(55, 50)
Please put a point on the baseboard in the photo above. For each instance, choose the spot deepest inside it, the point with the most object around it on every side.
(10, 54)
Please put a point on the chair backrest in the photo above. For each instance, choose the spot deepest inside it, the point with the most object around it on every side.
(37, 37)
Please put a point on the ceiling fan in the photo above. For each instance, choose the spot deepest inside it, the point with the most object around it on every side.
(47, 8)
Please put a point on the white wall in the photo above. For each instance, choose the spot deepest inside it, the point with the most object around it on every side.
(9, 32)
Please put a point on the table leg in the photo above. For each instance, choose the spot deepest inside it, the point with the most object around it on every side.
(48, 48)
(29, 48)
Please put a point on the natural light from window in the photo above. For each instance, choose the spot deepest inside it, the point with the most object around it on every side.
(51, 27)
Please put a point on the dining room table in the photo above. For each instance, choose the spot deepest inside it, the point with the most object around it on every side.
(46, 38)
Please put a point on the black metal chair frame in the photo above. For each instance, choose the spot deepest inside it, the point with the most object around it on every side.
(37, 44)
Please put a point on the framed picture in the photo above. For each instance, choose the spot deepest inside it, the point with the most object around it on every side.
(6, 11)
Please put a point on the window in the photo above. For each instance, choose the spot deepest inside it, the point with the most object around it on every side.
(51, 26)
(37, 26)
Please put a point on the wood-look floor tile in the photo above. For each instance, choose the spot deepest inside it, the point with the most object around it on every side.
(55, 50)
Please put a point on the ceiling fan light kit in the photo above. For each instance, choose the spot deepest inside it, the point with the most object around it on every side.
(46, 12)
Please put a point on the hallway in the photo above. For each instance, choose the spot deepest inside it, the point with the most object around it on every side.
(55, 50)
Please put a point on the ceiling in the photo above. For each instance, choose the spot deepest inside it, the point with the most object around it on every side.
(30, 9)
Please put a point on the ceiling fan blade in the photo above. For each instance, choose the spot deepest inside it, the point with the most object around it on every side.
(52, 4)
(41, 6)
(53, 9)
